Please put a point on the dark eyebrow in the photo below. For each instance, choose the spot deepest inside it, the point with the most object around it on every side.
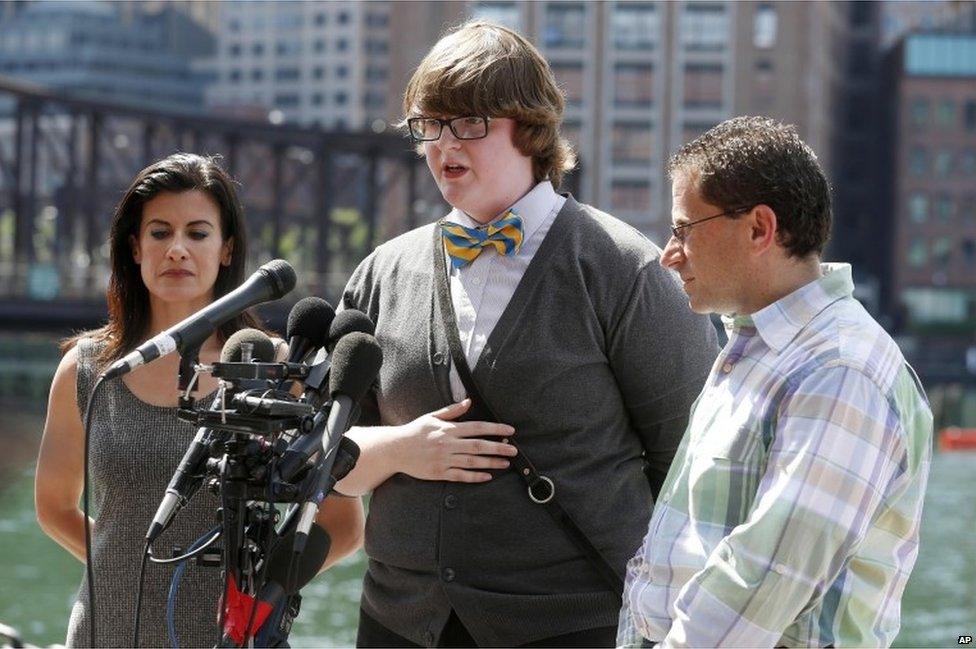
(166, 223)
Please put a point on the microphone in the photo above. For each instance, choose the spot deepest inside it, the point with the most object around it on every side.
(345, 322)
(270, 282)
(308, 327)
(355, 362)
(285, 578)
(185, 482)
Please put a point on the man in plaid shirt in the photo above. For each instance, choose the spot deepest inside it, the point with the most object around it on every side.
(790, 516)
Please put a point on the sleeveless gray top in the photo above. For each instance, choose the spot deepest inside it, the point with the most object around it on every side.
(135, 448)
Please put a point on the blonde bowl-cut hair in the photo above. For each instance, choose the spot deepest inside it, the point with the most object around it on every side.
(483, 68)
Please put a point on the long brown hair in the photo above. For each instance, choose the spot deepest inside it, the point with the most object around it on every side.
(127, 296)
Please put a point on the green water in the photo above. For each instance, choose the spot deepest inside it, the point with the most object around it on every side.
(39, 579)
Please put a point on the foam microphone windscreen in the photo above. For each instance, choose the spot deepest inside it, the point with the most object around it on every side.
(347, 322)
(263, 350)
(306, 566)
(282, 276)
(311, 318)
(355, 364)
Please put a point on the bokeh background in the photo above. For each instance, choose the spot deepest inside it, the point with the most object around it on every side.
(302, 99)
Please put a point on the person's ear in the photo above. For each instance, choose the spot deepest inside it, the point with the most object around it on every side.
(763, 228)
(227, 252)
(136, 252)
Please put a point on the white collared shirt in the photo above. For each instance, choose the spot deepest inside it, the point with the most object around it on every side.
(482, 290)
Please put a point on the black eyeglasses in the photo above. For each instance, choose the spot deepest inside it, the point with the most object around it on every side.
(467, 127)
(679, 233)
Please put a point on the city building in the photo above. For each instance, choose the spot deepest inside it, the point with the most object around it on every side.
(642, 78)
(310, 63)
(86, 48)
(933, 157)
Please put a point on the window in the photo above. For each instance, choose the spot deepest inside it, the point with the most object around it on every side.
(703, 85)
(257, 74)
(235, 76)
(317, 99)
(918, 254)
(287, 20)
(287, 74)
(257, 49)
(969, 251)
(234, 50)
(764, 26)
(936, 304)
(319, 46)
(943, 207)
(918, 161)
(633, 84)
(919, 111)
(945, 115)
(286, 100)
(942, 165)
(634, 26)
(571, 131)
(343, 17)
(288, 48)
(631, 195)
(942, 251)
(967, 162)
(632, 142)
(341, 98)
(918, 207)
(342, 45)
(504, 13)
(692, 130)
(320, 19)
(969, 116)
(704, 27)
(570, 79)
(318, 72)
(565, 25)
(342, 71)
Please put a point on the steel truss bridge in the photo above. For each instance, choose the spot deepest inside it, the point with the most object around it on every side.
(320, 199)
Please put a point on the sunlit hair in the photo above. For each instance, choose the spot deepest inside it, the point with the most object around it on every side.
(129, 313)
(482, 68)
(747, 161)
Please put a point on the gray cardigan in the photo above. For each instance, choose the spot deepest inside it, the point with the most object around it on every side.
(596, 359)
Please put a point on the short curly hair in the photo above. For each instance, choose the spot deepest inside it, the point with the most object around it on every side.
(747, 161)
(483, 68)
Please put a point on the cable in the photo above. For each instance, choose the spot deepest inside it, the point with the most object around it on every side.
(215, 534)
(142, 579)
(207, 540)
(89, 570)
(267, 545)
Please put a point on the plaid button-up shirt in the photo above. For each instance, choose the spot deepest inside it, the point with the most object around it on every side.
(791, 512)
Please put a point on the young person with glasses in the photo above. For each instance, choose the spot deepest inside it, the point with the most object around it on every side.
(582, 353)
(790, 516)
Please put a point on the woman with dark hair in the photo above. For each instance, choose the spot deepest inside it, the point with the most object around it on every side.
(177, 243)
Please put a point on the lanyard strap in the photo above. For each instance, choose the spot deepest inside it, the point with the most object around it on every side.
(541, 489)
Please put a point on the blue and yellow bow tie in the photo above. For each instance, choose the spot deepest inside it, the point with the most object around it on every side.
(464, 244)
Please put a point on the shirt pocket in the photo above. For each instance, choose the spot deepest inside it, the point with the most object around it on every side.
(743, 446)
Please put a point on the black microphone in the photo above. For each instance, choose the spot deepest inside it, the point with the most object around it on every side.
(345, 322)
(295, 457)
(308, 327)
(270, 282)
(356, 361)
(187, 479)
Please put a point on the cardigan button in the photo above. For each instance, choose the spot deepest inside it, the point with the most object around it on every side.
(448, 574)
(450, 501)
(438, 358)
